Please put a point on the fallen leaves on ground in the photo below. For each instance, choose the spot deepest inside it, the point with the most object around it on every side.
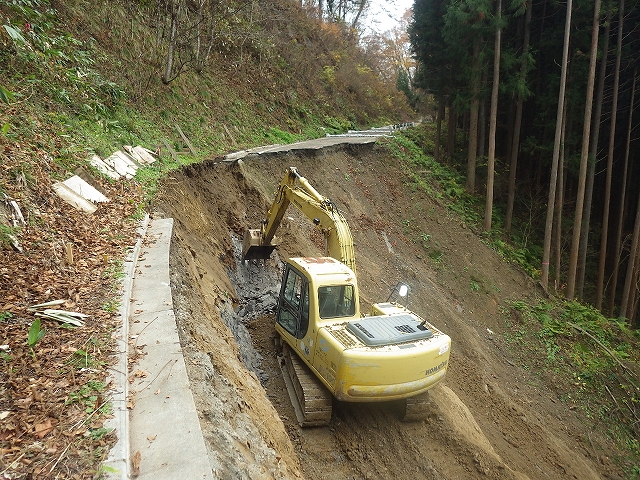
(53, 394)
(135, 461)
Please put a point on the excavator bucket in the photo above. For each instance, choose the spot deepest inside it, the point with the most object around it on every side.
(252, 247)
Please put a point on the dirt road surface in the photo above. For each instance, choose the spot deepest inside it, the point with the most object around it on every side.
(495, 416)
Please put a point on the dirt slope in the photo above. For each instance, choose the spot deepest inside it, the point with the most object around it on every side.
(491, 417)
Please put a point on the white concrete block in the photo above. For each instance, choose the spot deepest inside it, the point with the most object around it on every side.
(72, 198)
(121, 164)
(133, 154)
(84, 189)
(145, 154)
(102, 167)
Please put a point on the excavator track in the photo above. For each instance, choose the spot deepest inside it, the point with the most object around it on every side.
(310, 398)
(417, 408)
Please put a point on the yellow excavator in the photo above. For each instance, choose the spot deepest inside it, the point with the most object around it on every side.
(328, 347)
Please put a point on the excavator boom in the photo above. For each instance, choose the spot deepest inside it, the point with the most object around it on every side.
(323, 213)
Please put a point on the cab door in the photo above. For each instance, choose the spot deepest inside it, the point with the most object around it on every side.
(293, 311)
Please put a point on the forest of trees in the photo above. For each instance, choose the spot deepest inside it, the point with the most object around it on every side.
(537, 101)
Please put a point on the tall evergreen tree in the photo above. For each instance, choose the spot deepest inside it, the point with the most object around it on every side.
(488, 213)
(521, 93)
(602, 260)
(584, 156)
(546, 252)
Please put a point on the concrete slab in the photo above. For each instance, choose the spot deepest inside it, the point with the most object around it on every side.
(130, 159)
(160, 390)
(133, 154)
(73, 198)
(117, 466)
(315, 144)
(121, 164)
(141, 154)
(102, 167)
(85, 190)
(236, 155)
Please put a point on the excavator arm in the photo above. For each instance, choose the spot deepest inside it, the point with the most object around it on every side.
(323, 213)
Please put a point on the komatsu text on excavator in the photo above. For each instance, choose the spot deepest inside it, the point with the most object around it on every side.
(328, 347)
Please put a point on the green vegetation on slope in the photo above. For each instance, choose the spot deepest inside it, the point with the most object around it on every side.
(592, 362)
(85, 84)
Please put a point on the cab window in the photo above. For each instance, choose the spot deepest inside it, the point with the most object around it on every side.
(336, 301)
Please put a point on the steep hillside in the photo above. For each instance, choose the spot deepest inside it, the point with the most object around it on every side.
(497, 415)
(96, 80)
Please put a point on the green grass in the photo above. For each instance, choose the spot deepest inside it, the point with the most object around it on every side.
(445, 184)
(111, 306)
(7, 233)
(82, 359)
(587, 352)
(115, 270)
(88, 396)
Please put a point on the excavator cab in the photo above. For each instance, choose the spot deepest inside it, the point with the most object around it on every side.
(293, 303)
(313, 290)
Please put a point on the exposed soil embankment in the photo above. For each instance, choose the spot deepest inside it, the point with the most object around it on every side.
(491, 418)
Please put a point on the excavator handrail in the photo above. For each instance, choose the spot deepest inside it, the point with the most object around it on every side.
(322, 212)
